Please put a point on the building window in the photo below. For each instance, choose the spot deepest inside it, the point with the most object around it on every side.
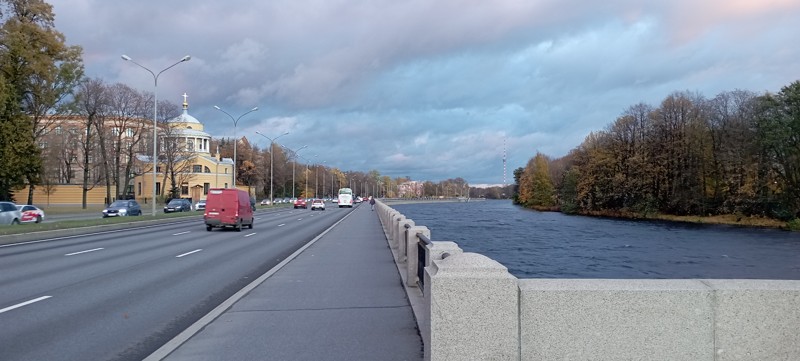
(158, 187)
(58, 129)
(42, 145)
(115, 131)
(190, 145)
(206, 186)
(184, 189)
(207, 170)
(197, 168)
(140, 188)
(129, 132)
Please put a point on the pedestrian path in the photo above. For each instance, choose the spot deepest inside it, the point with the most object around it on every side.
(340, 299)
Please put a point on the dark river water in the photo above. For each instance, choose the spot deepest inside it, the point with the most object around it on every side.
(553, 245)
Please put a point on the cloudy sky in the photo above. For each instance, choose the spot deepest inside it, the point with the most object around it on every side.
(432, 89)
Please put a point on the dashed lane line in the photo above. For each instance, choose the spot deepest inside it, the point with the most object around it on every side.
(23, 304)
(86, 251)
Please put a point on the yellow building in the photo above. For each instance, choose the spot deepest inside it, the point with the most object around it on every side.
(184, 155)
(195, 169)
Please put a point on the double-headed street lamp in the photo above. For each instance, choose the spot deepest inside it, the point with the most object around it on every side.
(155, 115)
(235, 121)
(271, 159)
(294, 154)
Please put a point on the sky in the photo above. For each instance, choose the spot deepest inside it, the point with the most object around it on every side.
(426, 89)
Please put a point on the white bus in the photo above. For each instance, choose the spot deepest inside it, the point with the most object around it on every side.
(345, 197)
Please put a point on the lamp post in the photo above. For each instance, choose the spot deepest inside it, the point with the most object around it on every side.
(155, 115)
(294, 155)
(324, 170)
(235, 121)
(271, 159)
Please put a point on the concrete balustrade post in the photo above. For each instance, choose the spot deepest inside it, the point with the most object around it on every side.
(395, 229)
(387, 222)
(472, 306)
(393, 241)
(412, 255)
(403, 236)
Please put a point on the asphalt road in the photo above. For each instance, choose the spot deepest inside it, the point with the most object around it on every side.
(120, 295)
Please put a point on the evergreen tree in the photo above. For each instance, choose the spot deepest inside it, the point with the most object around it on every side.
(37, 70)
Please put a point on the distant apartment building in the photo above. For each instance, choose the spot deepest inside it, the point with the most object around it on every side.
(410, 189)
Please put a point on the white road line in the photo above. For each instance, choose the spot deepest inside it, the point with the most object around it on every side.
(299, 219)
(24, 303)
(180, 233)
(251, 234)
(86, 251)
(188, 253)
(282, 224)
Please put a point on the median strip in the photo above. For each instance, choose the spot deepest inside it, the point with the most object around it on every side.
(24, 304)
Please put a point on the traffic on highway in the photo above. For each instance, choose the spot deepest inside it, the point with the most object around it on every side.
(123, 294)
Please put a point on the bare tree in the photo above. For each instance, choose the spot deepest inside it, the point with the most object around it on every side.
(90, 101)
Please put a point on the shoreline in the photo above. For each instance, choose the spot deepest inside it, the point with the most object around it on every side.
(724, 219)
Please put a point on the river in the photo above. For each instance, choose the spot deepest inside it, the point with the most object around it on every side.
(536, 244)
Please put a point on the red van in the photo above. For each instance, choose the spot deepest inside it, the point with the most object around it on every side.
(228, 207)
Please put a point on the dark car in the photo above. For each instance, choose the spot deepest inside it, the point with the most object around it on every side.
(123, 208)
(178, 205)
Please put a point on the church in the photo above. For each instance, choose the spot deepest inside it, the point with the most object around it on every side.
(188, 162)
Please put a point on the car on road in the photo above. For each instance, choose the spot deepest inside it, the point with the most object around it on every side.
(30, 213)
(228, 207)
(9, 213)
(123, 207)
(318, 204)
(200, 205)
(178, 205)
(265, 202)
(300, 203)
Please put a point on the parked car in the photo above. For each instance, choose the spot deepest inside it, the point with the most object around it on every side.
(300, 203)
(265, 202)
(227, 207)
(318, 204)
(201, 205)
(30, 214)
(178, 205)
(121, 207)
(9, 213)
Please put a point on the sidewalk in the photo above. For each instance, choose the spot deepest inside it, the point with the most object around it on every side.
(340, 299)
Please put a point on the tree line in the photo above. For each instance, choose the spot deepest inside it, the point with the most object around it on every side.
(736, 153)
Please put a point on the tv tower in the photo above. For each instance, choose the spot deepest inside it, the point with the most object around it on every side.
(504, 162)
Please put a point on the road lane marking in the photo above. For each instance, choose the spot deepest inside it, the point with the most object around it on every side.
(86, 251)
(282, 224)
(251, 234)
(24, 304)
(188, 253)
(180, 233)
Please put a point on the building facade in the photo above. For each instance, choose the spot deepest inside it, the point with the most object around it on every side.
(185, 163)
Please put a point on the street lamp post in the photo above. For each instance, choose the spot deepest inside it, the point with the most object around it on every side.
(271, 159)
(235, 121)
(155, 115)
(294, 154)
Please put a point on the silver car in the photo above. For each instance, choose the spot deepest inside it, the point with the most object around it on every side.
(9, 214)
